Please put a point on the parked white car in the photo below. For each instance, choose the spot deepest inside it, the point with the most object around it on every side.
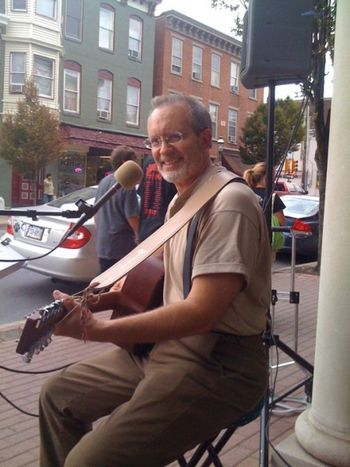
(75, 260)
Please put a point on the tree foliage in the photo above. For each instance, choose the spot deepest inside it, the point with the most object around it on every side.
(254, 132)
(236, 7)
(30, 138)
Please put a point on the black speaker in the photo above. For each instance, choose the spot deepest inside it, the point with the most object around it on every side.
(277, 39)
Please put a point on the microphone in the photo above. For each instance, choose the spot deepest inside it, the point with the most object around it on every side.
(128, 175)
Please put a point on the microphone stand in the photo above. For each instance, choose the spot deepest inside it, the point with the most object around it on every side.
(83, 208)
(33, 213)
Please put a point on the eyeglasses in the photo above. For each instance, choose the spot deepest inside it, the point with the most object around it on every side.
(157, 141)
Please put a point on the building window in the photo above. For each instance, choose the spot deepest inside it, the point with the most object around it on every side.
(133, 102)
(176, 56)
(46, 8)
(135, 38)
(73, 19)
(234, 77)
(252, 93)
(197, 57)
(215, 70)
(106, 28)
(43, 75)
(214, 110)
(17, 71)
(232, 126)
(104, 95)
(19, 5)
(71, 87)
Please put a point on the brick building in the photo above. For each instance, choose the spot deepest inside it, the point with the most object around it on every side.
(194, 59)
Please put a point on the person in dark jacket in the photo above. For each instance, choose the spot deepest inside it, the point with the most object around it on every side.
(117, 221)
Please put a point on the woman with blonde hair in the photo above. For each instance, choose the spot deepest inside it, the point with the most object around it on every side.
(256, 179)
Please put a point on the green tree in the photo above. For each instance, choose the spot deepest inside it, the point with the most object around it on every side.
(254, 132)
(322, 47)
(30, 137)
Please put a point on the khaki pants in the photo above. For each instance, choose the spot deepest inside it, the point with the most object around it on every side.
(156, 408)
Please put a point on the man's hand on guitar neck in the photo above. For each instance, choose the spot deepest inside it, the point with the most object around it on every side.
(79, 322)
(76, 322)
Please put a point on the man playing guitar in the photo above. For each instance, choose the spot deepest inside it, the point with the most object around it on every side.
(208, 364)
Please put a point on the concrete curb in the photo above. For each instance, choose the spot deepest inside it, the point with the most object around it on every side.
(298, 268)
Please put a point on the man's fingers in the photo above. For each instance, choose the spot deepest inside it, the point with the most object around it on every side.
(58, 295)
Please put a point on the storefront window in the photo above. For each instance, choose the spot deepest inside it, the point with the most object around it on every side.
(72, 173)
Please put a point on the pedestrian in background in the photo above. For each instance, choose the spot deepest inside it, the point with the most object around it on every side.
(256, 179)
(155, 196)
(48, 191)
(117, 221)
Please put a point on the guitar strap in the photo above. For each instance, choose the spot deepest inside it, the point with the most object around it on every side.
(187, 268)
(205, 192)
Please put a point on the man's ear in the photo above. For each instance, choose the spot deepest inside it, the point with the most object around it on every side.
(206, 136)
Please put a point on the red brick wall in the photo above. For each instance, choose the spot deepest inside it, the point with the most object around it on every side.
(165, 81)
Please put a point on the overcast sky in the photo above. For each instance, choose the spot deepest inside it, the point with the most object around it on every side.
(200, 10)
(221, 20)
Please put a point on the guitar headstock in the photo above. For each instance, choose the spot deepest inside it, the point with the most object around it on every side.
(38, 329)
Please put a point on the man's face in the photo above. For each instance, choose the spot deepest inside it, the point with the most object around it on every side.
(183, 161)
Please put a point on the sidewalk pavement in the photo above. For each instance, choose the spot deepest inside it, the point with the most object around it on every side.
(19, 440)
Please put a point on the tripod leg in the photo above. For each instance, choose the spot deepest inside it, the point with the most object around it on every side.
(264, 432)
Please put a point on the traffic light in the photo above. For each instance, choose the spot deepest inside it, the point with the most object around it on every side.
(287, 166)
(294, 167)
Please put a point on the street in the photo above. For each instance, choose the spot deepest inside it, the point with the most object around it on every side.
(24, 291)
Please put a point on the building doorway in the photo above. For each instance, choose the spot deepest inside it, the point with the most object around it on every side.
(26, 189)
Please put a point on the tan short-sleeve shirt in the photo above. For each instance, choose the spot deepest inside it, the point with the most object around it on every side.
(232, 237)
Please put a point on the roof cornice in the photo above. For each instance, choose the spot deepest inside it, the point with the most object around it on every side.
(202, 33)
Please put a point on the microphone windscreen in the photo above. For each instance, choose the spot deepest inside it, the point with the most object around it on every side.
(128, 175)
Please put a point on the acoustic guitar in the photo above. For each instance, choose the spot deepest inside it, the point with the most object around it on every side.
(141, 291)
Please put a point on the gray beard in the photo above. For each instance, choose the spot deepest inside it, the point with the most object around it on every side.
(173, 176)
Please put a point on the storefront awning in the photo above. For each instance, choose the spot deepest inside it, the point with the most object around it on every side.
(234, 163)
(101, 139)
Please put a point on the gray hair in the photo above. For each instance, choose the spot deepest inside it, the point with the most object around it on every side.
(199, 115)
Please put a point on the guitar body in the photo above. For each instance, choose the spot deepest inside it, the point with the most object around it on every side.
(141, 291)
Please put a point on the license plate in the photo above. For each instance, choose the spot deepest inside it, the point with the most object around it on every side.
(34, 232)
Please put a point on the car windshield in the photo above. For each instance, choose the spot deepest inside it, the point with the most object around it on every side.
(84, 194)
(300, 207)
